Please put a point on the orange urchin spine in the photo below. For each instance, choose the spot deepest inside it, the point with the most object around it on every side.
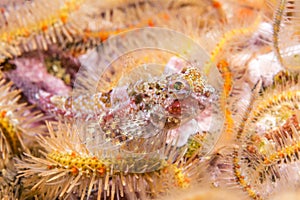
(223, 67)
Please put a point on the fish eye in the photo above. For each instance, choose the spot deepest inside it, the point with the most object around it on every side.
(180, 88)
(178, 85)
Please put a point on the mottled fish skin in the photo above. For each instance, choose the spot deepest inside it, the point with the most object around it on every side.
(145, 108)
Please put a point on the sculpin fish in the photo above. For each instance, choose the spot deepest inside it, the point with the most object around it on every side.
(141, 109)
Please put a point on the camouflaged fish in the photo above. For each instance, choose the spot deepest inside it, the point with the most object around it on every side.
(141, 109)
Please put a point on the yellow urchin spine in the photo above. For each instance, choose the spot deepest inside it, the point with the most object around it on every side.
(229, 35)
(41, 26)
(285, 96)
(9, 134)
(276, 28)
(241, 179)
(77, 163)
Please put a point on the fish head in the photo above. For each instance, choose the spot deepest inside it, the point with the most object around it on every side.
(189, 94)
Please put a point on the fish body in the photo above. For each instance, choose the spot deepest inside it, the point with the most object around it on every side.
(144, 108)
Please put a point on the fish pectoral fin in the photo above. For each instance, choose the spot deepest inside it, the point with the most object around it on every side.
(139, 126)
